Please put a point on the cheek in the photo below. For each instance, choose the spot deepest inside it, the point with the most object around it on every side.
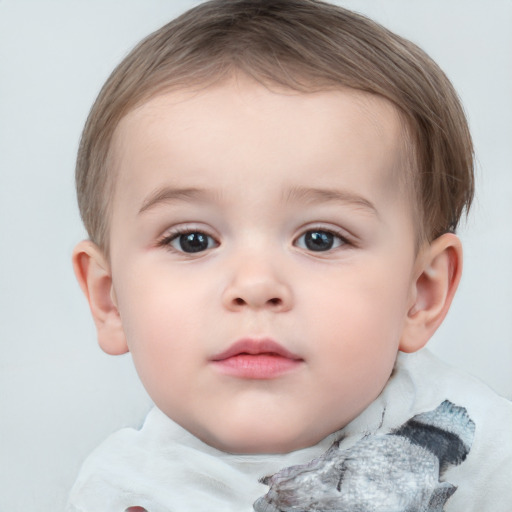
(359, 317)
(158, 324)
(356, 354)
(362, 297)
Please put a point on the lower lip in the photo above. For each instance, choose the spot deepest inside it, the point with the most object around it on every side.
(257, 366)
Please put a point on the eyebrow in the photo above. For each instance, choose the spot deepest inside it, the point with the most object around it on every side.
(170, 194)
(319, 195)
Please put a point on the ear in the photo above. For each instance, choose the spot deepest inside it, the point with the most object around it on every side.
(93, 273)
(439, 268)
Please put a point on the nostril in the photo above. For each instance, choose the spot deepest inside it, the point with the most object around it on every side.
(272, 302)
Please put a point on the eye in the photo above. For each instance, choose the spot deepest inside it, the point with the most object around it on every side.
(190, 241)
(320, 240)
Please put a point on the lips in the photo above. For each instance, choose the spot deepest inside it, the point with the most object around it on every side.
(256, 359)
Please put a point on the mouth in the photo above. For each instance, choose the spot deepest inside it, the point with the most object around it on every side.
(256, 359)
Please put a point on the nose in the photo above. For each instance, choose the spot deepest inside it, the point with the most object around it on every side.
(255, 285)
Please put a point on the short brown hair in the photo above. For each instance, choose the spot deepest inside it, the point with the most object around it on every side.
(305, 45)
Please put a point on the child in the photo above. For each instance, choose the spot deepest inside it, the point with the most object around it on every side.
(271, 191)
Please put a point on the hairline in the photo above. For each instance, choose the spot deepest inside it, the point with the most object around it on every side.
(406, 173)
(205, 45)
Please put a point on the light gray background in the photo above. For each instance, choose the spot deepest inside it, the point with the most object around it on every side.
(59, 394)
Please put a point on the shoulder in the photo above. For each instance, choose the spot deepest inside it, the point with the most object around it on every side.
(483, 479)
(111, 477)
(424, 382)
(162, 467)
(432, 380)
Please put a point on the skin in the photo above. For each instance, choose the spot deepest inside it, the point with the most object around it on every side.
(256, 170)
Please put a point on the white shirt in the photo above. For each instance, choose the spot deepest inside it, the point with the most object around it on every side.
(164, 468)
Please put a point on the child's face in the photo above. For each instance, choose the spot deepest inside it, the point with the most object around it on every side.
(269, 222)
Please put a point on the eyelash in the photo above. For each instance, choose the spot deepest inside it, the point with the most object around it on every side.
(342, 239)
(176, 233)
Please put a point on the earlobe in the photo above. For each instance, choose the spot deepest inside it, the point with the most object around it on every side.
(94, 276)
(438, 276)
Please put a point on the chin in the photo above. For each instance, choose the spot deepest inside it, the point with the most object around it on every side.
(253, 441)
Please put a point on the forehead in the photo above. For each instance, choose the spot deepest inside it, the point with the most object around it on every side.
(227, 133)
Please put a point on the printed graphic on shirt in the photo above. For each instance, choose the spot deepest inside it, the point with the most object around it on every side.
(400, 471)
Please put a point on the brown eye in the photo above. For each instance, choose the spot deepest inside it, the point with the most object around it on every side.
(318, 240)
(192, 242)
